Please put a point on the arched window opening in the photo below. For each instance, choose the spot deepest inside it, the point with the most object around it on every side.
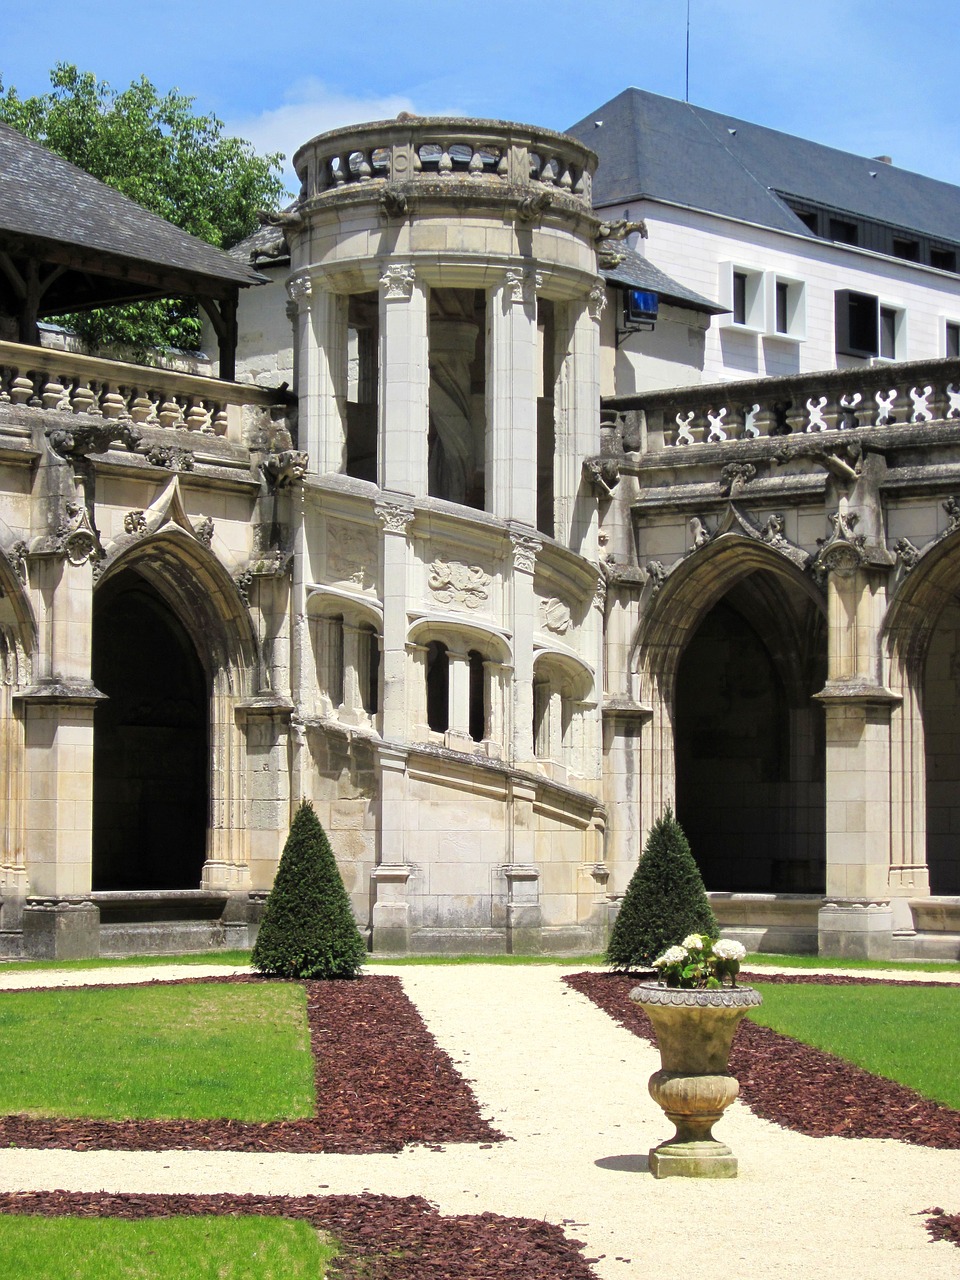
(150, 759)
(328, 631)
(458, 362)
(541, 719)
(478, 696)
(941, 729)
(750, 751)
(369, 652)
(363, 340)
(438, 687)
(546, 414)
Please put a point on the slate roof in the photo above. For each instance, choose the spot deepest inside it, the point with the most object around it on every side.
(662, 149)
(637, 272)
(43, 196)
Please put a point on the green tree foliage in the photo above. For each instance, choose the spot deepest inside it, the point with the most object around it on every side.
(308, 929)
(665, 900)
(155, 149)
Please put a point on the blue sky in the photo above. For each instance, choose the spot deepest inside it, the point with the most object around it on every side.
(868, 76)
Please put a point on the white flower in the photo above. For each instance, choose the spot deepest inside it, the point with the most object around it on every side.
(673, 955)
(727, 949)
(692, 942)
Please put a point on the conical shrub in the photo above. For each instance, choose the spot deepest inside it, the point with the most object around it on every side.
(665, 900)
(308, 929)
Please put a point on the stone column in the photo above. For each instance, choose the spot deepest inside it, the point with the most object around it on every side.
(58, 750)
(856, 918)
(395, 514)
(321, 373)
(404, 401)
(459, 676)
(227, 866)
(512, 382)
(391, 919)
(523, 621)
(266, 725)
(577, 421)
(391, 909)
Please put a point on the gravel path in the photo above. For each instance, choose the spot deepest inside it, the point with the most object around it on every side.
(569, 1086)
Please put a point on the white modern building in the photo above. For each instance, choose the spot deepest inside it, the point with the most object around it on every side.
(821, 259)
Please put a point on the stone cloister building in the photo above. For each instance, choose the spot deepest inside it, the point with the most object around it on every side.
(490, 629)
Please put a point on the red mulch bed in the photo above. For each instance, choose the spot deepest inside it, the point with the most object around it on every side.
(381, 1082)
(795, 1085)
(381, 1237)
(943, 1226)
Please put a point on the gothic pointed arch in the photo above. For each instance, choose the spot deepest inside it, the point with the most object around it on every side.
(730, 651)
(920, 643)
(172, 582)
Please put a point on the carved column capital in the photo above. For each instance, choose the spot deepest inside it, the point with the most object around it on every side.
(522, 284)
(300, 289)
(526, 547)
(597, 300)
(398, 280)
(394, 516)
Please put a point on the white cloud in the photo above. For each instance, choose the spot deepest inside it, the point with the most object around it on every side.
(311, 108)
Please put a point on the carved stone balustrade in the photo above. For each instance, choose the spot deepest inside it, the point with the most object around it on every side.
(403, 154)
(907, 395)
(64, 383)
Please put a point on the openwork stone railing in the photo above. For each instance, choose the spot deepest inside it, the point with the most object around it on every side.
(812, 403)
(63, 382)
(431, 149)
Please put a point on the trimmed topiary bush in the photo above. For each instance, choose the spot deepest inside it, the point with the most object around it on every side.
(308, 929)
(665, 901)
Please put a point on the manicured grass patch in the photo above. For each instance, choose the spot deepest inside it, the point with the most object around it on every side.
(830, 962)
(213, 1248)
(185, 1051)
(904, 1033)
(129, 962)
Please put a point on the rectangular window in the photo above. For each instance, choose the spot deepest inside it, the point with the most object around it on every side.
(943, 259)
(739, 297)
(908, 249)
(782, 309)
(953, 339)
(888, 333)
(843, 231)
(744, 293)
(857, 318)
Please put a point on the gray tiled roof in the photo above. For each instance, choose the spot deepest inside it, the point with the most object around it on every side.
(663, 149)
(44, 196)
(637, 272)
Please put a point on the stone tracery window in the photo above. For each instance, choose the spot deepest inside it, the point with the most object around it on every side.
(463, 682)
(561, 692)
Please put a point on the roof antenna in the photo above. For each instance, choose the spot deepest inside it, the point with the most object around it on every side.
(687, 90)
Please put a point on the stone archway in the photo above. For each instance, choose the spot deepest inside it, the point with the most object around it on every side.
(203, 632)
(749, 758)
(922, 651)
(150, 759)
(729, 658)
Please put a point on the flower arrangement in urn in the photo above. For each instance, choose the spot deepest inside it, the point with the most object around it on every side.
(700, 962)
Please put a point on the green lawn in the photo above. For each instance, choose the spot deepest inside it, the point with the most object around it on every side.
(909, 1034)
(159, 1052)
(214, 1248)
(754, 961)
(128, 962)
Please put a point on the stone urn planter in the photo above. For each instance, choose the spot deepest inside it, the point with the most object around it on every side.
(694, 1030)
